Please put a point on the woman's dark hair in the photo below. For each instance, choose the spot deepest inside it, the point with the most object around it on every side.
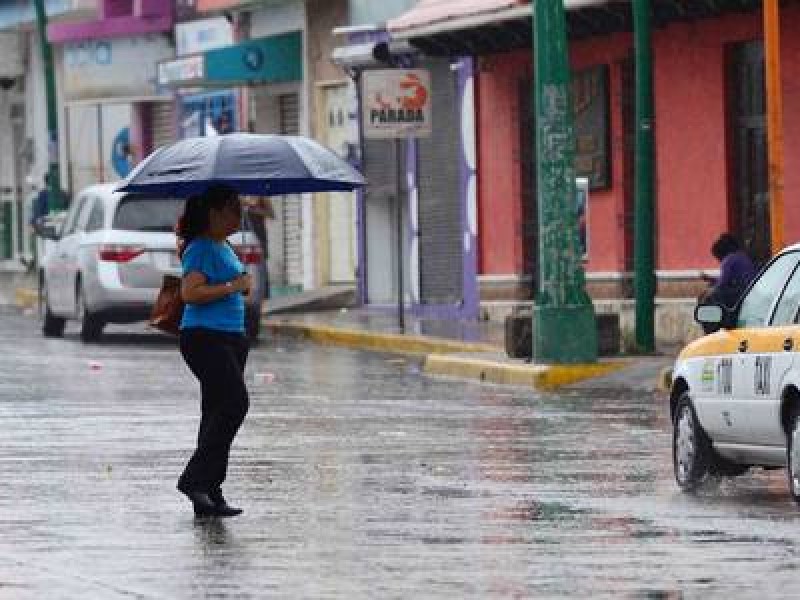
(195, 220)
(726, 244)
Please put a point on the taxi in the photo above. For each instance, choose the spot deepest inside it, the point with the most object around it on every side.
(735, 395)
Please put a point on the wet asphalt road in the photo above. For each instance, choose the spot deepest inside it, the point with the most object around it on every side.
(360, 478)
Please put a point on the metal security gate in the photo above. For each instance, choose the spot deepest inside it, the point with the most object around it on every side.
(441, 266)
(292, 208)
(162, 115)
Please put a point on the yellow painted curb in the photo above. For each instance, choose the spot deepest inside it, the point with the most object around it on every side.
(371, 340)
(25, 297)
(543, 377)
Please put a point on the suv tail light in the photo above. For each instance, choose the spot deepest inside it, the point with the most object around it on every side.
(118, 252)
(249, 254)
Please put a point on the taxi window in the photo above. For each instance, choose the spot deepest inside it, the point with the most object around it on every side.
(756, 305)
(786, 311)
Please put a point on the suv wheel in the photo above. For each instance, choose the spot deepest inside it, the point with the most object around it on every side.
(52, 326)
(692, 455)
(252, 324)
(91, 325)
(793, 456)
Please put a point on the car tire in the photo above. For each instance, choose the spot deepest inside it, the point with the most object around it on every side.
(52, 326)
(692, 455)
(91, 325)
(793, 456)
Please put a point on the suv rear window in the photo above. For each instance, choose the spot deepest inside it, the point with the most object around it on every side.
(138, 213)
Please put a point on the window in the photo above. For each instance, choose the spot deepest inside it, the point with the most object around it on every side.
(96, 217)
(786, 311)
(71, 221)
(137, 213)
(755, 308)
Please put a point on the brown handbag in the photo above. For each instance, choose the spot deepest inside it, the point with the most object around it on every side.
(168, 310)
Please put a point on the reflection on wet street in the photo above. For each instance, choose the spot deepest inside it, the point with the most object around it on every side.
(360, 478)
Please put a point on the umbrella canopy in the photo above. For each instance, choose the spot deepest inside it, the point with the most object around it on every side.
(263, 165)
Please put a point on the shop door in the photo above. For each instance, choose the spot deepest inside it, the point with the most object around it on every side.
(628, 114)
(340, 131)
(747, 99)
(529, 227)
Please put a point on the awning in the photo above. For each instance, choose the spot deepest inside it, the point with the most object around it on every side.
(272, 59)
(436, 16)
(453, 27)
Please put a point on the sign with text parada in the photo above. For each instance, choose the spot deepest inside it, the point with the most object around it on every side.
(397, 103)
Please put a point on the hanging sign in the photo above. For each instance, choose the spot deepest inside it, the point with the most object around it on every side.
(397, 103)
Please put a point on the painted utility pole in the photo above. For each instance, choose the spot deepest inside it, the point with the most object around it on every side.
(772, 58)
(54, 179)
(644, 253)
(564, 328)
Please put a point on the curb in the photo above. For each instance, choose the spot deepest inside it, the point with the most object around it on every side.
(541, 377)
(450, 358)
(394, 343)
(25, 297)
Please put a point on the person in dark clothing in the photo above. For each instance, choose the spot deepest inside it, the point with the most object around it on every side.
(736, 270)
(213, 341)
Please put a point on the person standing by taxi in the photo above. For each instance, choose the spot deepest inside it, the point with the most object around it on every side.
(736, 271)
(213, 341)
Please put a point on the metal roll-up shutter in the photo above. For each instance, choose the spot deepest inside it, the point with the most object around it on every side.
(380, 169)
(162, 120)
(440, 229)
(289, 110)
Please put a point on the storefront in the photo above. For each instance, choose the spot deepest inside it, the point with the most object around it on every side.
(710, 141)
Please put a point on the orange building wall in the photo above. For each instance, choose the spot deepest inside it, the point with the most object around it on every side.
(692, 187)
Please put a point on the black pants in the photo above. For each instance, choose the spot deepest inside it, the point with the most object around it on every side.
(217, 359)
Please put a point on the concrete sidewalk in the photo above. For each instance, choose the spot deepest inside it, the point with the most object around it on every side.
(467, 350)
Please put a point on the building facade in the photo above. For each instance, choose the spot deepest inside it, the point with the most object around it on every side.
(710, 142)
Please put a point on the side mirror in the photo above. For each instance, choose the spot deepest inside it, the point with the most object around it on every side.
(712, 317)
(46, 230)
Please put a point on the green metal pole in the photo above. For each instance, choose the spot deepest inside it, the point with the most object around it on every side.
(644, 254)
(54, 180)
(564, 328)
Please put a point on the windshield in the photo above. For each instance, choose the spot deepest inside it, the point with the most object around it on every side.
(138, 213)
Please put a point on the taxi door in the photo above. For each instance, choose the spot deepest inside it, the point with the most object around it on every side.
(768, 314)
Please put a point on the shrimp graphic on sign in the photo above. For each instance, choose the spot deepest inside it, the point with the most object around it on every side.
(398, 103)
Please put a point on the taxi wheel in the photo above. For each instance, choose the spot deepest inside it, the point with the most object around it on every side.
(793, 456)
(691, 449)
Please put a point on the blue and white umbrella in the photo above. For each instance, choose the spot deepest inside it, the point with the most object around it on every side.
(254, 164)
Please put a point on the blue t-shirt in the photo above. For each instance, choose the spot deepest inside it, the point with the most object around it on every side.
(219, 263)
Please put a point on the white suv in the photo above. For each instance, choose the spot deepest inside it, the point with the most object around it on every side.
(107, 262)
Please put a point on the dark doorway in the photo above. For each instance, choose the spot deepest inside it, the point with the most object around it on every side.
(527, 169)
(628, 115)
(749, 206)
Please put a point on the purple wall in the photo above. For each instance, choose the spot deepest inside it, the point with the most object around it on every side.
(119, 18)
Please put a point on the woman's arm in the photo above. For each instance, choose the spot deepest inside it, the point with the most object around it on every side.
(195, 288)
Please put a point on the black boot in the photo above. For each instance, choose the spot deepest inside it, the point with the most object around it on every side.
(201, 501)
(223, 509)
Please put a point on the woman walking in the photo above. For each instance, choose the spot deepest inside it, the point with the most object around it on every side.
(212, 340)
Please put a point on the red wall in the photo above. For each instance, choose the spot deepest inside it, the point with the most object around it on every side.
(692, 187)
